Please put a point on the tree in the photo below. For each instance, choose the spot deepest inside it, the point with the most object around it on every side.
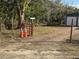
(45, 11)
(11, 8)
(22, 6)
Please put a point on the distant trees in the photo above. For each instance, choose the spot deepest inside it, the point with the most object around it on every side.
(12, 9)
(48, 12)
(57, 12)
(8, 11)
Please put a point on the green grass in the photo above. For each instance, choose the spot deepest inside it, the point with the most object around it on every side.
(38, 31)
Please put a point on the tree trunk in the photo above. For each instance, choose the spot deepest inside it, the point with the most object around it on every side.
(21, 10)
(21, 14)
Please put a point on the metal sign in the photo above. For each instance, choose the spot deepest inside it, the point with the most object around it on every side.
(32, 18)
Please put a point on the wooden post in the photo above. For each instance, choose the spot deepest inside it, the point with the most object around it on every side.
(71, 31)
(0, 24)
(12, 26)
(28, 30)
(0, 27)
(31, 27)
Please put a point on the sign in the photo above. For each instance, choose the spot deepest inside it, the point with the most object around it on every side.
(32, 18)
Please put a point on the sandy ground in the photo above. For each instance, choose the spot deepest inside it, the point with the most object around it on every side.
(51, 46)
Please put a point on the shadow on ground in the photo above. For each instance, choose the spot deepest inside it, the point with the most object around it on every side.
(76, 58)
(75, 42)
(77, 28)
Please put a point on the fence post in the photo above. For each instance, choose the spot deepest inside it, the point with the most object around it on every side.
(31, 27)
(71, 31)
(0, 27)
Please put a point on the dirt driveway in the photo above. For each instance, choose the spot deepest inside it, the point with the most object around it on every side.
(51, 46)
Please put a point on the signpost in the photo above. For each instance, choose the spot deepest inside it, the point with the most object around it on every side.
(31, 27)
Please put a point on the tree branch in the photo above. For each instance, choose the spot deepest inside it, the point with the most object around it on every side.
(26, 5)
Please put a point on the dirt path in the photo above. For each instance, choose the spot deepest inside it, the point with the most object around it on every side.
(45, 47)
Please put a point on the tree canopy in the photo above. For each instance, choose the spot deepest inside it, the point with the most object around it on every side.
(47, 12)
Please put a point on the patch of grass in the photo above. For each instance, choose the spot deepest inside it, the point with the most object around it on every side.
(38, 31)
(7, 35)
(76, 36)
(41, 30)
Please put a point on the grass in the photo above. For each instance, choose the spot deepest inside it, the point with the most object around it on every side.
(69, 49)
(44, 30)
(38, 31)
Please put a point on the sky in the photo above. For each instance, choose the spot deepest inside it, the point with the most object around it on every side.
(74, 3)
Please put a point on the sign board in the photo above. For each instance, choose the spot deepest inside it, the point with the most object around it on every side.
(32, 18)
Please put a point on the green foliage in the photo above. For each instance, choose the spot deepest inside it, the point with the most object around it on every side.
(45, 11)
